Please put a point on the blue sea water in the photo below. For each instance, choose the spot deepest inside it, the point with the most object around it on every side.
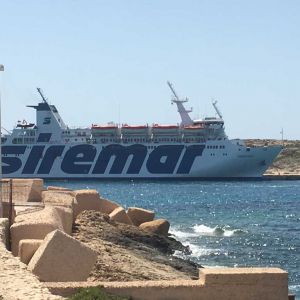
(234, 224)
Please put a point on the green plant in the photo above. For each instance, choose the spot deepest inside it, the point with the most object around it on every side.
(95, 293)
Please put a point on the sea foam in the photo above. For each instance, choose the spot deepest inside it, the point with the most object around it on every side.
(216, 231)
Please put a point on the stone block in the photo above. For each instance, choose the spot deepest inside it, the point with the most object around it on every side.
(5, 210)
(23, 190)
(27, 248)
(119, 215)
(4, 231)
(140, 215)
(62, 258)
(57, 188)
(87, 200)
(34, 225)
(66, 216)
(160, 226)
(60, 198)
(107, 206)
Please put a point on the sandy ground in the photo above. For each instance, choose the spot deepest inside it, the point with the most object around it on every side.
(16, 282)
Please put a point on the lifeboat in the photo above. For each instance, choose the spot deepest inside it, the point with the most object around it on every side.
(165, 129)
(193, 129)
(134, 129)
(104, 130)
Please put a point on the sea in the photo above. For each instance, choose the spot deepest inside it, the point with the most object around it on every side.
(225, 224)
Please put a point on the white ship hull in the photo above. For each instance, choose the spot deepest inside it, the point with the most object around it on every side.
(225, 160)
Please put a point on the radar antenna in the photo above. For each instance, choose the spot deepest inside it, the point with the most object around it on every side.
(184, 113)
(214, 103)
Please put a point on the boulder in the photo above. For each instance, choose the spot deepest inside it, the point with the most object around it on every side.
(107, 206)
(119, 215)
(27, 248)
(140, 215)
(34, 225)
(87, 200)
(160, 226)
(62, 258)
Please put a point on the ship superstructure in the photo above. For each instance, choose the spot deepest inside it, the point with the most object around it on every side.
(191, 149)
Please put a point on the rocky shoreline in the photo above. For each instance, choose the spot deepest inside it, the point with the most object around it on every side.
(127, 253)
(287, 164)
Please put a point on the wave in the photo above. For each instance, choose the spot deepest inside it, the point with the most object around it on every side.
(182, 235)
(196, 251)
(216, 231)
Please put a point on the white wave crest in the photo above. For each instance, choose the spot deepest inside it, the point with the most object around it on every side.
(196, 251)
(182, 235)
(216, 231)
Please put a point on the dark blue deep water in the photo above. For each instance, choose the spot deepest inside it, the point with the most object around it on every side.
(233, 224)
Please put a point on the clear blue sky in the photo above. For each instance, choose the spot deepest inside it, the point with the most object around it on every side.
(101, 61)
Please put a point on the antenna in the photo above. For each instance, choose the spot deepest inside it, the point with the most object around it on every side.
(42, 95)
(214, 103)
(282, 141)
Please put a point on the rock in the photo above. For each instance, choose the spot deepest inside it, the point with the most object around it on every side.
(140, 215)
(127, 253)
(107, 206)
(27, 248)
(87, 200)
(119, 215)
(34, 225)
(160, 226)
(62, 258)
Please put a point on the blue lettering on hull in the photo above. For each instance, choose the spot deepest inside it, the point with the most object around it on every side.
(84, 159)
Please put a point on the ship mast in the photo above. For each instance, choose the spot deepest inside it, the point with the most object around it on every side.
(184, 113)
(42, 95)
(214, 103)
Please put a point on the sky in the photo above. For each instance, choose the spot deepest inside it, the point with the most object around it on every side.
(102, 61)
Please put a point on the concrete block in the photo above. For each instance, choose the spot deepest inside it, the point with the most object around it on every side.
(62, 198)
(62, 258)
(140, 215)
(5, 210)
(4, 231)
(87, 200)
(119, 215)
(27, 248)
(57, 188)
(23, 190)
(160, 226)
(34, 225)
(66, 216)
(107, 206)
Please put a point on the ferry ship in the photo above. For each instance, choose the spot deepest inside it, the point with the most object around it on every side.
(192, 149)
